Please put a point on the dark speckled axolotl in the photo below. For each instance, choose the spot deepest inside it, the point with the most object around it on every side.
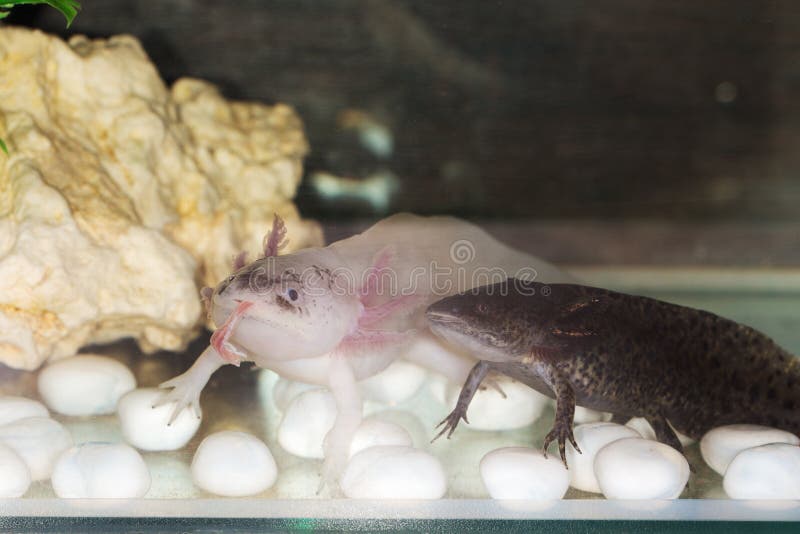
(629, 355)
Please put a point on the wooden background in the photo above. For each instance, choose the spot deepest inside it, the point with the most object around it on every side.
(660, 109)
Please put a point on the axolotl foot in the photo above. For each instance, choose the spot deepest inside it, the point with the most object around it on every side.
(450, 422)
(185, 392)
(561, 432)
(473, 383)
(186, 388)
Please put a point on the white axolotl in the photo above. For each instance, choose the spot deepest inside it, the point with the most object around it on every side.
(338, 314)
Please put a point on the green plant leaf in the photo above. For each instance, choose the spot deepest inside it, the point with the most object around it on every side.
(68, 8)
(3, 147)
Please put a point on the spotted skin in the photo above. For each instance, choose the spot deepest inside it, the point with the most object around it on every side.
(629, 355)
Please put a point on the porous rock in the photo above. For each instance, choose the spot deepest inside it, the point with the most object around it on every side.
(119, 194)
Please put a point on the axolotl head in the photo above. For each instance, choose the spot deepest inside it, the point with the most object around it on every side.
(299, 309)
(503, 321)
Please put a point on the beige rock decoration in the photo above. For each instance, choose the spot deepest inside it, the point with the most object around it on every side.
(120, 196)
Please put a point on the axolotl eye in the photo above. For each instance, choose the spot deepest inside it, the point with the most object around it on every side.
(482, 308)
(292, 294)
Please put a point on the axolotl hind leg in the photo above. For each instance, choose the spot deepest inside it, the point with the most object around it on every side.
(565, 411)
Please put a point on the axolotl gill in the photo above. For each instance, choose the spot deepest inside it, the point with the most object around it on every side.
(680, 368)
(328, 316)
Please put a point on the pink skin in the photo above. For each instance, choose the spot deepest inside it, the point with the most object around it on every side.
(220, 339)
(363, 337)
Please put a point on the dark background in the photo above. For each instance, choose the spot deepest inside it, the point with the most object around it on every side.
(663, 109)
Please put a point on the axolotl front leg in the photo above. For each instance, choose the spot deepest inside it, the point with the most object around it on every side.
(562, 390)
(186, 388)
(336, 447)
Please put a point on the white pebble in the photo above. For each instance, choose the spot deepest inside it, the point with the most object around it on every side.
(767, 472)
(38, 441)
(101, 471)
(285, 391)
(643, 427)
(591, 437)
(15, 478)
(720, 445)
(373, 432)
(489, 410)
(147, 428)
(306, 421)
(16, 408)
(394, 472)
(85, 385)
(462, 455)
(395, 384)
(233, 464)
(523, 473)
(587, 415)
(410, 422)
(635, 468)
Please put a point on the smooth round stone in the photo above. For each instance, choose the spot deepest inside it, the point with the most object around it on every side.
(15, 478)
(374, 432)
(306, 421)
(636, 468)
(410, 422)
(523, 473)
(395, 384)
(285, 391)
(439, 387)
(85, 385)
(147, 428)
(233, 464)
(16, 408)
(462, 455)
(645, 429)
(101, 471)
(766, 472)
(720, 445)
(587, 415)
(38, 441)
(591, 437)
(394, 472)
(489, 410)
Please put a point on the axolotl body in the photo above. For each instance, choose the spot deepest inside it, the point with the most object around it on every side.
(338, 314)
(680, 368)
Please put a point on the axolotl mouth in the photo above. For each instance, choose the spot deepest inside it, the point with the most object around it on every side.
(222, 311)
(221, 339)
